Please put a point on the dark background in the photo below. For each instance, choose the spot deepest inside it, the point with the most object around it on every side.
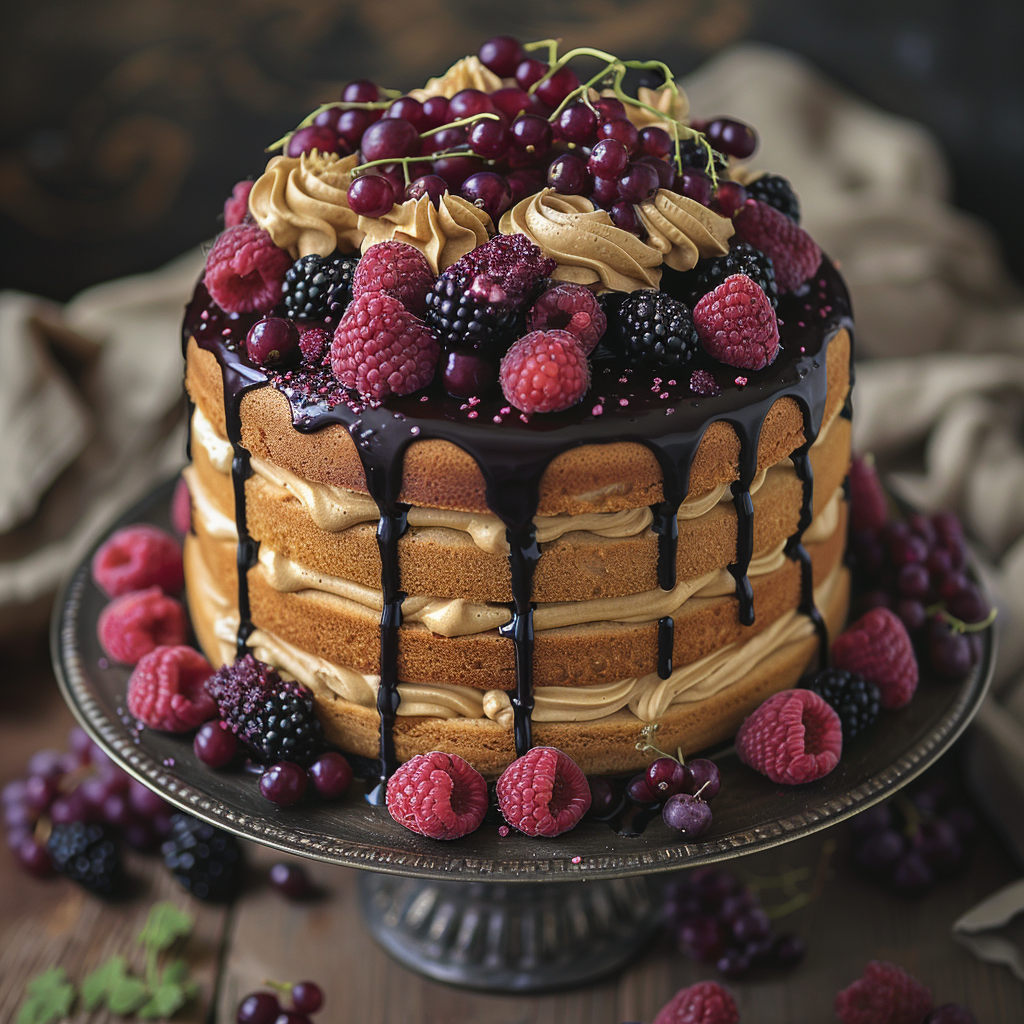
(124, 123)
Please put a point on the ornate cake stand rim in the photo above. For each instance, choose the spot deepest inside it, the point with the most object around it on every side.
(572, 866)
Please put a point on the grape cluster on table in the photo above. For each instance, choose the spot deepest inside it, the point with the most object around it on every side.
(718, 920)
(305, 997)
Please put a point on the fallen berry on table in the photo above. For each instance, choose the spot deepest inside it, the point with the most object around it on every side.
(331, 775)
(215, 744)
(704, 1003)
(689, 814)
(885, 994)
(291, 879)
(258, 1008)
(88, 855)
(205, 861)
(307, 996)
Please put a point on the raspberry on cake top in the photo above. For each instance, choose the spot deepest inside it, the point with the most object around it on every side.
(580, 367)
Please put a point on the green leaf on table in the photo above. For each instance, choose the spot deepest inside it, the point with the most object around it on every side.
(165, 924)
(127, 995)
(48, 997)
(175, 973)
(167, 998)
(98, 985)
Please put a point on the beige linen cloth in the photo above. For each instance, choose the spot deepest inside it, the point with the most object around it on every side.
(940, 337)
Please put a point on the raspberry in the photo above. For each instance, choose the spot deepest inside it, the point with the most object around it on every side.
(868, 507)
(885, 994)
(546, 371)
(165, 690)
(398, 270)
(702, 383)
(236, 209)
(794, 254)
(181, 507)
(245, 270)
(737, 325)
(793, 737)
(134, 623)
(438, 795)
(877, 647)
(381, 349)
(314, 341)
(543, 793)
(513, 261)
(704, 1003)
(137, 557)
(572, 308)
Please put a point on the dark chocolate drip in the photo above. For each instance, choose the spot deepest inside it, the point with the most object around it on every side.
(513, 451)
(666, 641)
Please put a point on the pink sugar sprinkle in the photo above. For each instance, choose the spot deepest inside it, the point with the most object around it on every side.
(414, 431)
(474, 401)
(741, 381)
(503, 831)
(424, 398)
(205, 315)
(822, 283)
(802, 350)
(623, 380)
(671, 383)
(496, 419)
(664, 394)
(669, 412)
(822, 312)
(505, 410)
(597, 410)
(524, 417)
(226, 333)
(800, 323)
(623, 401)
(576, 860)
(473, 415)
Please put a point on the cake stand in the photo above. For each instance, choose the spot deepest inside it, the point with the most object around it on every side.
(490, 912)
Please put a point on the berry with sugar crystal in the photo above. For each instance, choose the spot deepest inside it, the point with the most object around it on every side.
(869, 509)
(689, 814)
(692, 285)
(855, 700)
(704, 1003)
(236, 208)
(205, 861)
(396, 269)
(572, 308)
(733, 138)
(273, 343)
(314, 341)
(950, 1013)
(884, 994)
(381, 349)
(706, 778)
(776, 191)
(258, 1008)
(666, 777)
(878, 647)
(531, 134)
(273, 717)
(543, 793)
(319, 287)
(794, 253)
(215, 744)
(181, 507)
(544, 371)
(650, 328)
(737, 325)
(502, 55)
(137, 557)
(88, 855)
(438, 795)
(136, 622)
(283, 783)
(489, 192)
(291, 879)
(314, 137)
(166, 691)
(793, 737)
(245, 270)
(371, 195)
(331, 775)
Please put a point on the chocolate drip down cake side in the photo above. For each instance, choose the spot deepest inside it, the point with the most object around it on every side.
(520, 417)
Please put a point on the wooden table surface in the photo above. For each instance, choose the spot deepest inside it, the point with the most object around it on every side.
(265, 936)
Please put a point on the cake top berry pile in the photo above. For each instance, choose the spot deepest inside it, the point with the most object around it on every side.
(524, 232)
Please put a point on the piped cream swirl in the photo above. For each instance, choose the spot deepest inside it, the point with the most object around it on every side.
(467, 73)
(683, 231)
(585, 243)
(443, 234)
(302, 203)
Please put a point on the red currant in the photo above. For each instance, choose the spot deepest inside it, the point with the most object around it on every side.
(435, 113)
(371, 195)
(406, 108)
(568, 174)
(488, 191)
(215, 744)
(608, 159)
(360, 91)
(576, 123)
(502, 55)
(388, 139)
(621, 130)
(273, 342)
(468, 103)
(555, 89)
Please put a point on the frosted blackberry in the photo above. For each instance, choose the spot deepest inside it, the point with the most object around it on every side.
(708, 274)
(319, 287)
(204, 860)
(471, 313)
(274, 718)
(854, 699)
(88, 855)
(776, 191)
(653, 329)
(695, 154)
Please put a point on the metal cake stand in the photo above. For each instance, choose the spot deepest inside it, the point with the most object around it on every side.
(490, 912)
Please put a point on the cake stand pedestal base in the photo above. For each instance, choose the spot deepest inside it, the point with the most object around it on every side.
(512, 938)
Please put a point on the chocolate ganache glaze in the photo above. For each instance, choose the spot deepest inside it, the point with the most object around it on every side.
(512, 452)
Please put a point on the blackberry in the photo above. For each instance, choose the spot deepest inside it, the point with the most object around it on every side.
(463, 314)
(88, 855)
(653, 329)
(708, 274)
(204, 860)
(319, 287)
(695, 154)
(854, 699)
(272, 717)
(776, 191)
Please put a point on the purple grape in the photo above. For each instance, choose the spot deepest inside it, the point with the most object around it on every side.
(760, 950)
(754, 924)
(904, 550)
(405, 108)
(689, 814)
(912, 876)
(655, 142)
(639, 183)
(693, 183)
(40, 791)
(524, 183)
(734, 963)
(939, 563)
(913, 580)
(116, 810)
(291, 1017)
(949, 653)
(283, 783)
(912, 613)
(33, 858)
(511, 102)
(13, 792)
(622, 130)
(371, 195)
(455, 169)
(490, 139)
(567, 174)
(331, 775)
(258, 1008)
(624, 216)
(44, 762)
(291, 879)
(307, 997)
(73, 807)
(428, 185)
(144, 801)
(734, 138)
(738, 904)
(557, 87)
(468, 374)
(446, 138)
(318, 137)
(531, 133)
(389, 138)
(666, 777)
(215, 745)
(702, 939)
(950, 1013)
(714, 885)
(362, 90)
(968, 604)
(528, 71)
(488, 191)
(603, 798)
(707, 779)
(576, 123)
(608, 159)
(638, 790)
(879, 852)
(605, 192)
(938, 843)
(79, 742)
(502, 55)
(788, 951)
(18, 815)
(435, 113)
(610, 109)
(730, 196)
(273, 342)
(469, 103)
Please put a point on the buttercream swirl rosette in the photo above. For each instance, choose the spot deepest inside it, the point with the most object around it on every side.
(585, 243)
(468, 73)
(682, 230)
(444, 234)
(302, 203)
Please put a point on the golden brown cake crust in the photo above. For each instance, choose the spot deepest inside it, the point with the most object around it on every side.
(437, 474)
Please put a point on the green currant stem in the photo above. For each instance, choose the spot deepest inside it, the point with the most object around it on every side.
(582, 92)
(460, 123)
(551, 45)
(337, 105)
(910, 813)
(406, 160)
(959, 626)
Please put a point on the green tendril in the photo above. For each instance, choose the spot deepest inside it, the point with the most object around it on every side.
(551, 45)
(459, 124)
(958, 625)
(406, 160)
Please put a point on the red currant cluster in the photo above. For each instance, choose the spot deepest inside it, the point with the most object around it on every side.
(917, 567)
(546, 130)
(306, 998)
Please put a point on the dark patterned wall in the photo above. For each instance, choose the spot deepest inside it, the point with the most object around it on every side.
(125, 122)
